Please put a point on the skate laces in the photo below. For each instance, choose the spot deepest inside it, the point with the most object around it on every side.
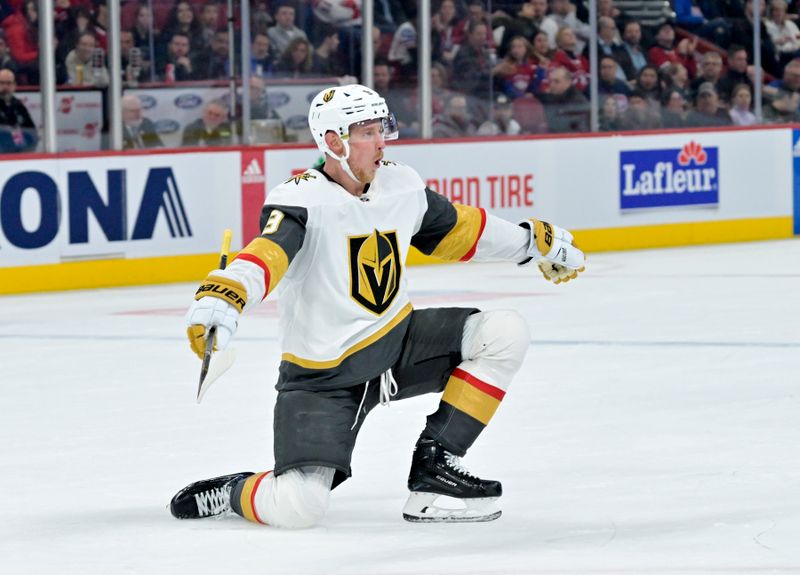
(213, 501)
(455, 462)
(388, 389)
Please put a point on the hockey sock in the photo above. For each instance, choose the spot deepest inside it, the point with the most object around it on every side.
(493, 347)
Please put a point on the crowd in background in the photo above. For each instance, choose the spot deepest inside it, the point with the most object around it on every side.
(502, 68)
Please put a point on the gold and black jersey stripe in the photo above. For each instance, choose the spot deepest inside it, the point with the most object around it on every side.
(283, 232)
(449, 232)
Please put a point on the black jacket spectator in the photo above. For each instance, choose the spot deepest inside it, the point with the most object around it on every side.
(17, 132)
(143, 137)
(567, 112)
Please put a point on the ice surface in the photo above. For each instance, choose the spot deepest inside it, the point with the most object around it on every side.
(654, 429)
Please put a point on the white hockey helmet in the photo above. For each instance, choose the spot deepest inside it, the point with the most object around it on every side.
(336, 109)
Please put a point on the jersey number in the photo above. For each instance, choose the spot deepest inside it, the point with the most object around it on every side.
(274, 222)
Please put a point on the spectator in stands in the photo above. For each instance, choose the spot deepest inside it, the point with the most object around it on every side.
(397, 99)
(266, 125)
(260, 18)
(138, 132)
(214, 63)
(677, 77)
(181, 20)
(742, 34)
(609, 83)
(647, 83)
(77, 22)
(22, 36)
(284, 30)
(143, 33)
(472, 67)
(542, 53)
(640, 114)
(563, 13)
(565, 107)
(545, 23)
(674, 108)
(740, 111)
(262, 56)
(608, 42)
(606, 8)
(789, 83)
(295, 62)
(476, 14)
(212, 129)
(209, 21)
(17, 132)
(403, 50)
(502, 122)
(177, 65)
(133, 71)
(100, 23)
(710, 71)
(456, 121)
(708, 111)
(783, 32)
(325, 60)
(6, 61)
(446, 32)
(783, 109)
(517, 73)
(567, 56)
(630, 56)
(665, 52)
(738, 72)
(84, 66)
(609, 114)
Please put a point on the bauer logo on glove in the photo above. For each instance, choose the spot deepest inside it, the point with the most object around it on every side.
(554, 250)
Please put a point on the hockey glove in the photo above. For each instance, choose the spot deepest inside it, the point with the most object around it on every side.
(218, 302)
(554, 251)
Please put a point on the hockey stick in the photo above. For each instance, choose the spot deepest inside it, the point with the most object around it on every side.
(223, 360)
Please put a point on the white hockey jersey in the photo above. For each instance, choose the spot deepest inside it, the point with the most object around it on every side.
(340, 260)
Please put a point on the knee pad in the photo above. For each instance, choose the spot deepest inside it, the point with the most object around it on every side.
(296, 499)
(496, 341)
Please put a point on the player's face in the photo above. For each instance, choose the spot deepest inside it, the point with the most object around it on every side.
(366, 149)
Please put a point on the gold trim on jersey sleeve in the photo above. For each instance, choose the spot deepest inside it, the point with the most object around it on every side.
(462, 238)
(270, 256)
(312, 364)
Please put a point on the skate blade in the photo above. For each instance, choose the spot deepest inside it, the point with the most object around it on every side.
(430, 508)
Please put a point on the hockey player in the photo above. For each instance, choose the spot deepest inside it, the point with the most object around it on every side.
(336, 239)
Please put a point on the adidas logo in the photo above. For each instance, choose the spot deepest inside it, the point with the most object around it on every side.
(253, 174)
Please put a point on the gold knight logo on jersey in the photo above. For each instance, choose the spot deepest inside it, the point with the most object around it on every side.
(375, 270)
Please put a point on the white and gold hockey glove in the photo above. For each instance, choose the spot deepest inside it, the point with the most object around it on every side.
(219, 301)
(552, 248)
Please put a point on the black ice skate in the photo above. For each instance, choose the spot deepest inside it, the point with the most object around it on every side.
(435, 472)
(206, 498)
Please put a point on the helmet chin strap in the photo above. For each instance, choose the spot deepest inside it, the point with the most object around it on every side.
(343, 161)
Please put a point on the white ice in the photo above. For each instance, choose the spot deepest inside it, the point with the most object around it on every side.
(653, 429)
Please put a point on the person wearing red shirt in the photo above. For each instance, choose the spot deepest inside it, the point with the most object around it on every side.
(665, 52)
(568, 58)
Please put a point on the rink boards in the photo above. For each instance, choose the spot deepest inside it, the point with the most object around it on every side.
(94, 220)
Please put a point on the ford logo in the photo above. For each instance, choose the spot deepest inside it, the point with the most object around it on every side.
(148, 102)
(297, 122)
(278, 99)
(167, 126)
(188, 101)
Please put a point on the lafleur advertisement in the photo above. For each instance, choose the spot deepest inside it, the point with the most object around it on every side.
(686, 176)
